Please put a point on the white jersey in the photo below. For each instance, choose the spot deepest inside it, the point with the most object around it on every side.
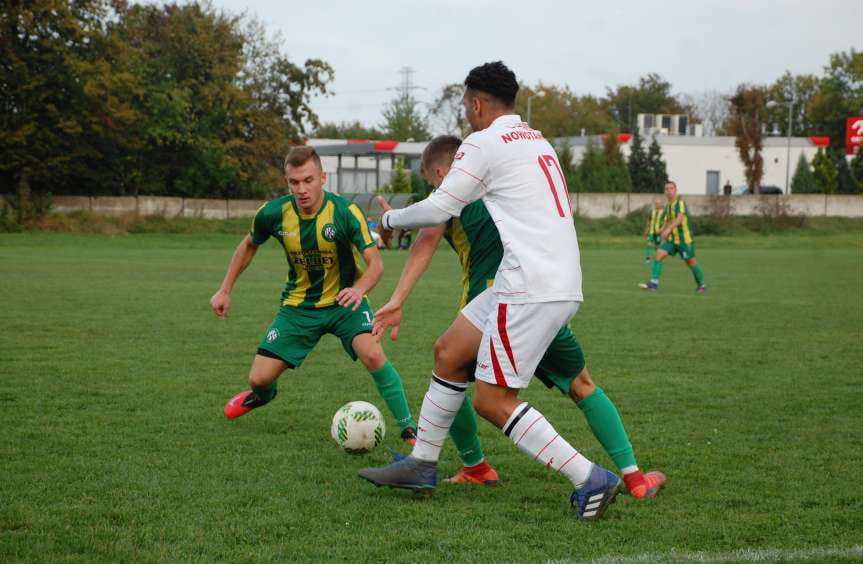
(515, 172)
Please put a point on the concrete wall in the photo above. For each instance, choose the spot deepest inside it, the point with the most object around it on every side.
(585, 205)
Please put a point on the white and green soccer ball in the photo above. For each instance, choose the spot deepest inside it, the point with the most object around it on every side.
(358, 427)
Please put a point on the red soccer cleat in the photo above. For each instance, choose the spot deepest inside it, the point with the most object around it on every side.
(481, 473)
(409, 435)
(648, 486)
(242, 403)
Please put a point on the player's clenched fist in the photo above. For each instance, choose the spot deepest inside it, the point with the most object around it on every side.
(220, 302)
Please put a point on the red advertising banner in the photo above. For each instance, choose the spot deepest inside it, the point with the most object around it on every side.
(853, 134)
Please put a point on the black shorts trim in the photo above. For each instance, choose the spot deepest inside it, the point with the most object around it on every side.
(271, 354)
(517, 418)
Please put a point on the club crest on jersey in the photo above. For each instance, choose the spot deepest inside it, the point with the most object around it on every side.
(272, 335)
(329, 232)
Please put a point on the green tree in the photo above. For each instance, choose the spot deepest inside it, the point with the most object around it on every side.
(52, 53)
(447, 111)
(652, 95)
(560, 113)
(799, 89)
(857, 168)
(347, 130)
(403, 120)
(592, 171)
(826, 177)
(639, 171)
(747, 121)
(845, 181)
(839, 95)
(570, 170)
(400, 182)
(618, 173)
(656, 166)
(803, 181)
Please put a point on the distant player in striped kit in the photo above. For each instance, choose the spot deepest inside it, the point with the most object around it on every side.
(474, 237)
(324, 237)
(654, 228)
(676, 238)
(537, 290)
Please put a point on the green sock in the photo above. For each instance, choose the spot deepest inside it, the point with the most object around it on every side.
(389, 385)
(464, 434)
(604, 421)
(648, 252)
(698, 274)
(266, 393)
(656, 271)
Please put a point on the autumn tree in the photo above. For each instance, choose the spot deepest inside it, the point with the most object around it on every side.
(747, 122)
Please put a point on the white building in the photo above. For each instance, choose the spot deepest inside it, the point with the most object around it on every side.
(699, 165)
(702, 165)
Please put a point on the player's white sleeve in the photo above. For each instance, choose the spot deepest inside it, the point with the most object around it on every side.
(465, 181)
(463, 184)
(421, 214)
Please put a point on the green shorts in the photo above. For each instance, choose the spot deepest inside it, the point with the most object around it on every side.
(686, 251)
(295, 331)
(562, 362)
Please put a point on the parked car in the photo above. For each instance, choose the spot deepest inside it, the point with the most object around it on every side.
(745, 191)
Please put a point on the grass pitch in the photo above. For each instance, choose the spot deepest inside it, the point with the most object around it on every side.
(113, 447)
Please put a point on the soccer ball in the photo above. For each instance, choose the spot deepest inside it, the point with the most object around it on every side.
(358, 427)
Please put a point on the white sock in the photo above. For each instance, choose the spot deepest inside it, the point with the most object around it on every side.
(533, 434)
(441, 403)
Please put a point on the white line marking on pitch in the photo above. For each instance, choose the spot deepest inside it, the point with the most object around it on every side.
(746, 555)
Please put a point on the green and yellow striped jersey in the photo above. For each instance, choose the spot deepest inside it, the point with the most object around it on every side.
(476, 240)
(681, 234)
(654, 224)
(323, 250)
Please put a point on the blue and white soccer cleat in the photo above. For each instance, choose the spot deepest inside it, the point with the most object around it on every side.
(652, 286)
(406, 472)
(592, 499)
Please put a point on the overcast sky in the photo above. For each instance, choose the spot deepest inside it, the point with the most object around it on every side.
(697, 45)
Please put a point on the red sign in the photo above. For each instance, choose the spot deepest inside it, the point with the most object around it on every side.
(853, 134)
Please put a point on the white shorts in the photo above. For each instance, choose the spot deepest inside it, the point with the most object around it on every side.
(514, 336)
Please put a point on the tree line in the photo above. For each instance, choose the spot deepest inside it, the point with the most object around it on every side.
(105, 97)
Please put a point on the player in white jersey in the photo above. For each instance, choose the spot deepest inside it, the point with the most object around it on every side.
(537, 290)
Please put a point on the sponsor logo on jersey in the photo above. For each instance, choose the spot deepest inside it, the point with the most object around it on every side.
(272, 335)
(313, 259)
(328, 232)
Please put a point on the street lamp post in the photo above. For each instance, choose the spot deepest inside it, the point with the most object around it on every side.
(530, 98)
(773, 104)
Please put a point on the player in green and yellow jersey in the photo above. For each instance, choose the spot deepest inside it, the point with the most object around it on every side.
(326, 240)
(476, 240)
(653, 229)
(676, 238)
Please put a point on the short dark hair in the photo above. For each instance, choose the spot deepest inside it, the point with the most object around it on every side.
(298, 156)
(440, 147)
(494, 79)
(671, 182)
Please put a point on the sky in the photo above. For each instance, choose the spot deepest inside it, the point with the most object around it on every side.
(697, 45)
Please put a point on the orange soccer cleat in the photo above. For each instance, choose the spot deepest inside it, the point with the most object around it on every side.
(481, 473)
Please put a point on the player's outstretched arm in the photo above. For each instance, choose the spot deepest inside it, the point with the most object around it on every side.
(419, 257)
(243, 255)
(352, 296)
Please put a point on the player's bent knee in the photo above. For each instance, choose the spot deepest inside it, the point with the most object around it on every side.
(373, 357)
(581, 386)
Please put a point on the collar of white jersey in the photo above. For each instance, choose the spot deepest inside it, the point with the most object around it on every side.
(508, 119)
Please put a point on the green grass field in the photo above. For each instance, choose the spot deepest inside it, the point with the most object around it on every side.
(114, 372)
